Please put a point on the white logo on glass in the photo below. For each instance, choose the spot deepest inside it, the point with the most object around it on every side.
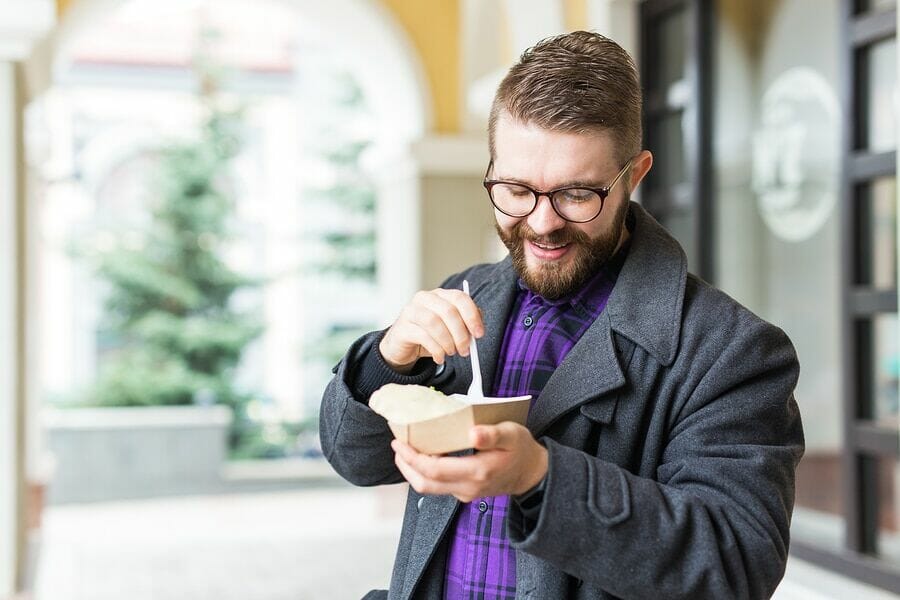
(796, 154)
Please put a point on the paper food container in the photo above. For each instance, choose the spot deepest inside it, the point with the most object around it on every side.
(450, 432)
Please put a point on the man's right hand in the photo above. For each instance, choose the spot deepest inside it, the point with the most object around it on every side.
(437, 323)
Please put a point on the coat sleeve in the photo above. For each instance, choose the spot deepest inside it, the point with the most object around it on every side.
(713, 521)
(355, 439)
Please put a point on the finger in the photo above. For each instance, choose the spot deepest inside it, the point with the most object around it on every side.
(424, 484)
(401, 447)
(451, 470)
(434, 349)
(504, 435)
(467, 308)
(452, 318)
(412, 477)
(406, 333)
(483, 437)
(405, 341)
(433, 324)
(404, 450)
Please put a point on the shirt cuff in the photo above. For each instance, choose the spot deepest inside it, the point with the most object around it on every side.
(530, 502)
(374, 372)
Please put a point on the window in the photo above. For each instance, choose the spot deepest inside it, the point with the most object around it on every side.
(774, 131)
(675, 34)
(870, 328)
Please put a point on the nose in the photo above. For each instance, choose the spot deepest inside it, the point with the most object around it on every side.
(543, 219)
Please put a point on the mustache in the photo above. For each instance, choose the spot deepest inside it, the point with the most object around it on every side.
(554, 238)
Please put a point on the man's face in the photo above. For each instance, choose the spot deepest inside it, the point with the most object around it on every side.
(553, 256)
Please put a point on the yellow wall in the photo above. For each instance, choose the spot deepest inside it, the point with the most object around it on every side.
(62, 6)
(575, 13)
(434, 29)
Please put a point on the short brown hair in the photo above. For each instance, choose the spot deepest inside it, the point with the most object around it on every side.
(575, 82)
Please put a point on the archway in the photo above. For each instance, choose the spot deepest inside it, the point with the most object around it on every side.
(377, 58)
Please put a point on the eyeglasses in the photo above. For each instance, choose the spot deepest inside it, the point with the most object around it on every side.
(576, 204)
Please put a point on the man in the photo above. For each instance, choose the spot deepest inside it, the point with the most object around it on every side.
(659, 454)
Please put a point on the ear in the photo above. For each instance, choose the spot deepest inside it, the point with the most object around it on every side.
(640, 166)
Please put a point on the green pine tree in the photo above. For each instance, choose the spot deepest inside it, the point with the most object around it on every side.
(350, 252)
(169, 307)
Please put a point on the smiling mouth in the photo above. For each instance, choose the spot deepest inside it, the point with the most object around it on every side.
(549, 246)
(549, 252)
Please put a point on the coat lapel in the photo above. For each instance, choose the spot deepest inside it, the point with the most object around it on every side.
(434, 517)
(589, 370)
(647, 302)
(645, 307)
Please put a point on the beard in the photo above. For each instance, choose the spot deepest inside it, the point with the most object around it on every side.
(553, 280)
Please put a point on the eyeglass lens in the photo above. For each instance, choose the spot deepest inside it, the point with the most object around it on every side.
(575, 204)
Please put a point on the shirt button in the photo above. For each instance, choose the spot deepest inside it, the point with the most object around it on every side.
(420, 502)
(528, 322)
(482, 506)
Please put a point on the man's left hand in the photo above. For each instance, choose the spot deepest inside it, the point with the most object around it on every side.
(508, 461)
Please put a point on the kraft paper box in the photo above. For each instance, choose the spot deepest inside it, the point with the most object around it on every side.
(450, 432)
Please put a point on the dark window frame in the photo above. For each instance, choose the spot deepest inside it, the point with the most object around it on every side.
(659, 199)
(864, 441)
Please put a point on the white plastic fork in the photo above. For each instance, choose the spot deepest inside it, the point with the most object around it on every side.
(476, 389)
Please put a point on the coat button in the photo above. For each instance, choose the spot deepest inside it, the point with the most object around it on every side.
(419, 503)
(528, 322)
(482, 506)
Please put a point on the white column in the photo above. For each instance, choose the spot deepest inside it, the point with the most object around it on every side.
(542, 19)
(484, 58)
(897, 137)
(21, 24)
(617, 19)
(488, 54)
(398, 223)
(283, 301)
(9, 476)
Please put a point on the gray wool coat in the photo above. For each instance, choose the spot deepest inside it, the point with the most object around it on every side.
(672, 431)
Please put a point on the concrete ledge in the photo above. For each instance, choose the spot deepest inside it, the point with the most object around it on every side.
(451, 155)
(115, 453)
(136, 417)
(806, 581)
(280, 470)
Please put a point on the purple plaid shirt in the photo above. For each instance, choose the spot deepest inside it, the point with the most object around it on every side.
(481, 564)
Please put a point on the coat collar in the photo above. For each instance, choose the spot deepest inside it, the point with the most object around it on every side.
(647, 302)
(644, 307)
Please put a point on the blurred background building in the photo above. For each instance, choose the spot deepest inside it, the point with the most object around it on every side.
(202, 202)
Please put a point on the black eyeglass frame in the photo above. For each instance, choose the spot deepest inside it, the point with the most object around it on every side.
(602, 192)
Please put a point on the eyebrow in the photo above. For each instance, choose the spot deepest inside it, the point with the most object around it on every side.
(576, 183)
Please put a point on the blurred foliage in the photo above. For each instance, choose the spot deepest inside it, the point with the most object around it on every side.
(278, 440)
(175, 337)
(333, 345)
(349, 251)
